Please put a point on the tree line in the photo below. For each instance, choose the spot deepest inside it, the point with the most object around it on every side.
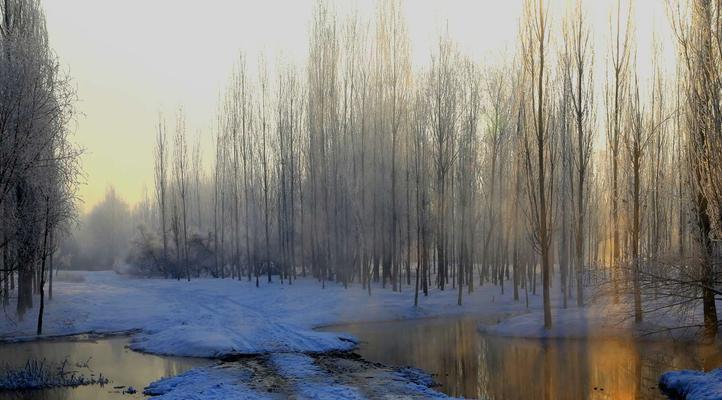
(357, 167)
(39, 164)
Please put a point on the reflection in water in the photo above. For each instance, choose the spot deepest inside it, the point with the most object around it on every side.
(110, 357)
(469, 364)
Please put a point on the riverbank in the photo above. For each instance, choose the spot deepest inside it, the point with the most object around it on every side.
(603, 317)
(692, 385)
(223, 317)
(226, 319)
(232, 320)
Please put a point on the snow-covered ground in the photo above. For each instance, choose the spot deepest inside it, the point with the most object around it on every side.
(693, 385)
(296, 375)
(222, 317)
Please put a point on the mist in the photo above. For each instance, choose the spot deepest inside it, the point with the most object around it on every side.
(298, 210)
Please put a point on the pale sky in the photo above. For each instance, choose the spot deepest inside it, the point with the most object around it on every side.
(132, 59)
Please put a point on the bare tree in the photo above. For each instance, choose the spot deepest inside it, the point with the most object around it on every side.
(539, 157)
(699, 37)
(580, 59)
(38, 164)
(443, 91)
(161, 184)
(180, 170)
(616, 89)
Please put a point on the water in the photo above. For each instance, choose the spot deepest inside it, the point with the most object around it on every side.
(109, 356)
(464, 362)
(469, 364)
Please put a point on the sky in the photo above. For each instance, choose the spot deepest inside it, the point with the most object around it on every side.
(133, 60)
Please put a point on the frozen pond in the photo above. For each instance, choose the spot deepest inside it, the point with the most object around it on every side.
(107, 356)
(469, 364)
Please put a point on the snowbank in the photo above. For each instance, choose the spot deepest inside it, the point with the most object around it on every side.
(207, 383)
(692, 385)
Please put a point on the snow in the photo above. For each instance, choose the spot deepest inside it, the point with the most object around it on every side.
(693, 385)
(207, 383)
(296, 375)
(223, 317)
(601, 318)
(309, 381)
(293, 365)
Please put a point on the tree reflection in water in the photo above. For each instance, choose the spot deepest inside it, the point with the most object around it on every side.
(472, 365)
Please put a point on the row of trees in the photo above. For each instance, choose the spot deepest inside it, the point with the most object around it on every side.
(358, 168)
(699, 121)
(38, 162)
